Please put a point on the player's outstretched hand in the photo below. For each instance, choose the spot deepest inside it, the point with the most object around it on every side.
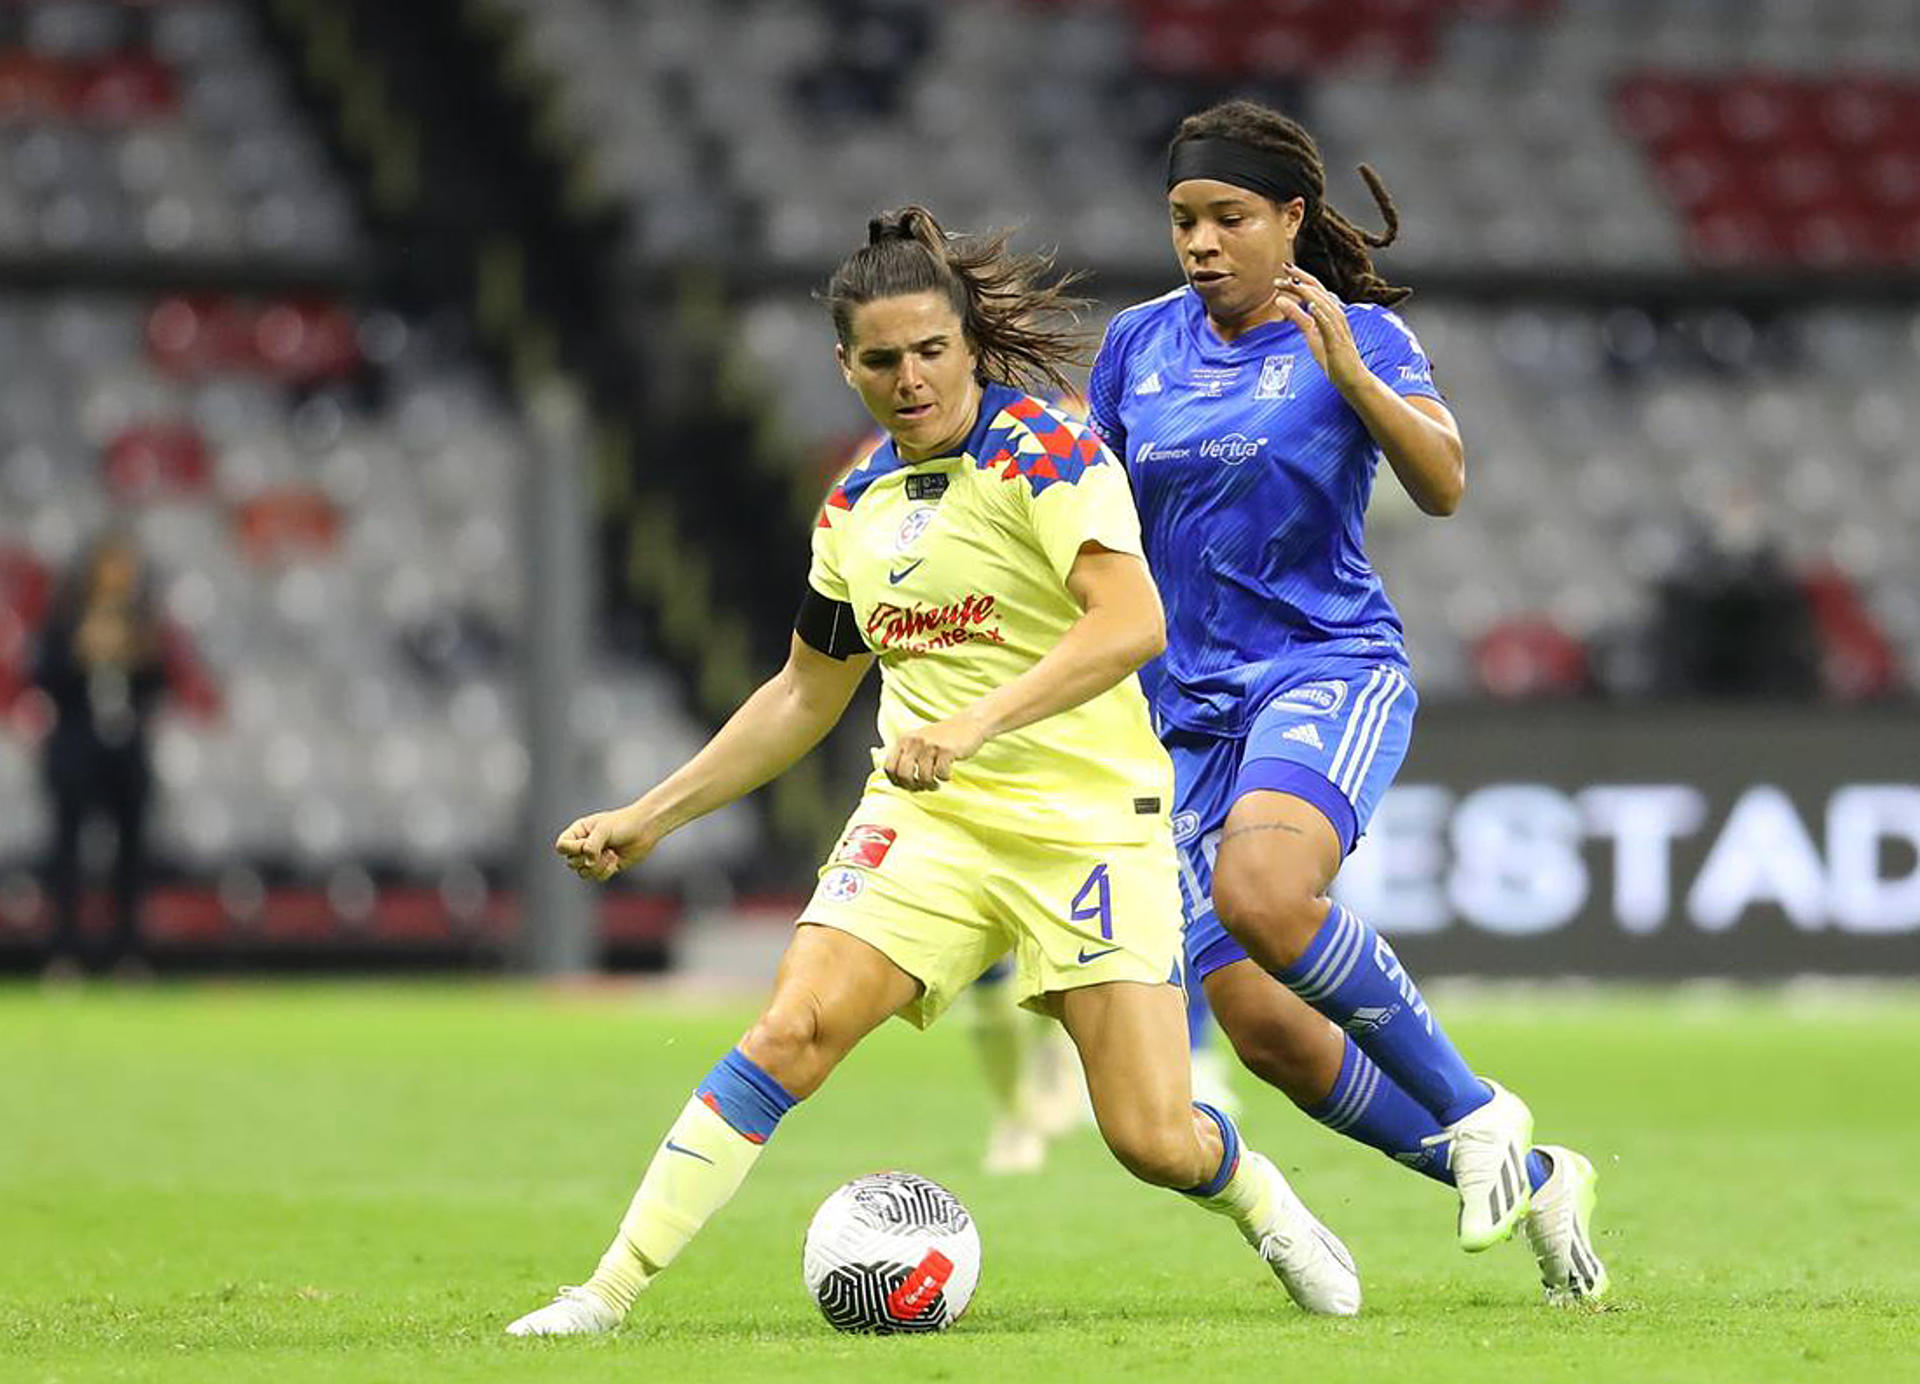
(601, 844)
(923, 758)
(1307, 303)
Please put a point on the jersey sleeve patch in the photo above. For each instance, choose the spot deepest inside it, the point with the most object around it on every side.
(837, 499)
(1031, 442)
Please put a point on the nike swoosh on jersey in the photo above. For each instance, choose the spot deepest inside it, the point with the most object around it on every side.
(676, 1148)
(1086, 956)
(897, 577)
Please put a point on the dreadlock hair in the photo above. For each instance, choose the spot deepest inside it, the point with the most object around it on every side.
(1330, 247)
(1009, 308)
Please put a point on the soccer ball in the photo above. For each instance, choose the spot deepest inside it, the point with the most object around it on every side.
(891, 1252)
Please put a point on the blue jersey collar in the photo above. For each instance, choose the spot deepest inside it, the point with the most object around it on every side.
(1207, 344)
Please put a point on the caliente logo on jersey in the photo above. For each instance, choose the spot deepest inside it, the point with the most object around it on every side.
(919, 629)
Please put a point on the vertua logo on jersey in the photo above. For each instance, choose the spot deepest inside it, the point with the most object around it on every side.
(912, 527)
(866, 846)
(1276, 378)
(1233, 449)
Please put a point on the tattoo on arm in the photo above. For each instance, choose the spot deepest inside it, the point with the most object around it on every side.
(1260, 826)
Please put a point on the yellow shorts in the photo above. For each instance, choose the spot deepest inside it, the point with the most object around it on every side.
(943, 900)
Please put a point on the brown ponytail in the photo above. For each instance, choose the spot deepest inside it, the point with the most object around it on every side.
(1011, 310)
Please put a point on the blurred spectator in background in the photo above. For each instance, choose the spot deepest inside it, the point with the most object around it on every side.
(101, 664)
(1734, 619)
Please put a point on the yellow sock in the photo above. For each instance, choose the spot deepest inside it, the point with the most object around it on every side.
(1247, 1199)
(695, 1172)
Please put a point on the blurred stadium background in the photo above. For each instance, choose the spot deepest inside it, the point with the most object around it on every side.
(454, 363)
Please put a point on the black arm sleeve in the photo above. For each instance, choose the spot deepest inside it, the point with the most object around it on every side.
(829, 626)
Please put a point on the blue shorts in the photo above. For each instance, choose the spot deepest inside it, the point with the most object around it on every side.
(1335, 739)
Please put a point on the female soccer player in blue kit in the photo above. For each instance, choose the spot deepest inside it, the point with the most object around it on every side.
(1251, 408)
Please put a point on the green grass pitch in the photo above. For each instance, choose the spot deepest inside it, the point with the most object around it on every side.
(349, 1183)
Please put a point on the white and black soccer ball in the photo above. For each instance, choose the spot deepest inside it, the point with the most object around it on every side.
(891, 1252)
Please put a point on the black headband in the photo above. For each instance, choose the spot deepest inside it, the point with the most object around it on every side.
(1229, 161)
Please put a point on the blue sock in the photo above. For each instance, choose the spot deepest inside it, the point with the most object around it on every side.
(1229, 1154)
(1198, 1015)
(1365, 1105)
(1350, 974)
(742, 1094)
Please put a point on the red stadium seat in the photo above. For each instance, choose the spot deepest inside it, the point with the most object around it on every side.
(1529, 656)
(287, 523)
(192, 336)
(301, 343)
(26, 586)
(33, 88)
(1765, 168)
(1856, 659)
(126, 88)
(152, 460)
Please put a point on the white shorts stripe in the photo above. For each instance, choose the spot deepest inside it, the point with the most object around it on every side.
(1369, 744)
(1353, 721)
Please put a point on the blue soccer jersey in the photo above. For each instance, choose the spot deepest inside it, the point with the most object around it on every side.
(1252, 475)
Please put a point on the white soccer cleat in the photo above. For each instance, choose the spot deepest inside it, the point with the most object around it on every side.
(1559, 1227)
(574, 1312)
(1014, 1146)
(1489, 1163)
(1308, 1259)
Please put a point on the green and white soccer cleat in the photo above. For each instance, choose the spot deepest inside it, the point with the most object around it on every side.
(573, 1312)
(1308, 1259)
(1560, 1229)
(1488, 1158)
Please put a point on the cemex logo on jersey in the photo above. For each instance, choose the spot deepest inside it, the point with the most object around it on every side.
(1153, 451)
(866, 846)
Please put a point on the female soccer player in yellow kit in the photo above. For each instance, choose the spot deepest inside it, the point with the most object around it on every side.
(989, 557)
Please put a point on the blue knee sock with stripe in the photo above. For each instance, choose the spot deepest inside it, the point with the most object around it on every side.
(1350, 974)
(1366, 1106)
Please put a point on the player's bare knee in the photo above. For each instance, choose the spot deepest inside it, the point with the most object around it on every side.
(786, 1043)
(1273, 916)
(1270, 1054)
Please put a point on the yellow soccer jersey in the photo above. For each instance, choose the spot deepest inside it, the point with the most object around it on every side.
(956, 569)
